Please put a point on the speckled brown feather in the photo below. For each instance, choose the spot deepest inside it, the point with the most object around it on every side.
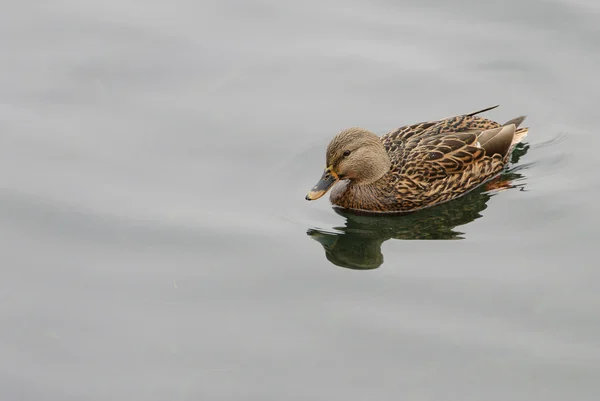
(434, 162)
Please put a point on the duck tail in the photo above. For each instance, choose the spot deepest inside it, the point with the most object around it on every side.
(516, 121)
(520, 133)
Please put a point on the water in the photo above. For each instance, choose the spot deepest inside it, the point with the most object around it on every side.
(155, 238)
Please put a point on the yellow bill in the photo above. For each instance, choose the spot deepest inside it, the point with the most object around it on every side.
(327, 180)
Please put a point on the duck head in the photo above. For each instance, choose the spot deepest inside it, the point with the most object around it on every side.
(354, 154)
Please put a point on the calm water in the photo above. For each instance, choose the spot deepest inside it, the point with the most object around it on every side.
(156, 244)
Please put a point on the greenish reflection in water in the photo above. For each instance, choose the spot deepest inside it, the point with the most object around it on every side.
(357, 245)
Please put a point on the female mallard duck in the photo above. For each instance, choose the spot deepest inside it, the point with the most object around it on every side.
(416, 166)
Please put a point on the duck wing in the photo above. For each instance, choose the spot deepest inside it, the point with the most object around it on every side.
(436, 157)
(459, 123)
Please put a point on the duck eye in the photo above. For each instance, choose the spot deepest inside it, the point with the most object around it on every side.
(346, 153)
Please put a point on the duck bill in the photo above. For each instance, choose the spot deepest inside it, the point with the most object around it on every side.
(327, 180)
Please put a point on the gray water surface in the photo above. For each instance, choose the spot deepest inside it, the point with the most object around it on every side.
(155, 238)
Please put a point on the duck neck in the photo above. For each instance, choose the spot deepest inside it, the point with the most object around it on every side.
(360, 195)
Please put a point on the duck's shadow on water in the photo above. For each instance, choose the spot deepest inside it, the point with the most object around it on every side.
(357, 245)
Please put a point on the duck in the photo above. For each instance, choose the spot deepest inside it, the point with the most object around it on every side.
(416, 166)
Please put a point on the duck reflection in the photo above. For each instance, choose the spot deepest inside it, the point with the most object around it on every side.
(357, 245)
